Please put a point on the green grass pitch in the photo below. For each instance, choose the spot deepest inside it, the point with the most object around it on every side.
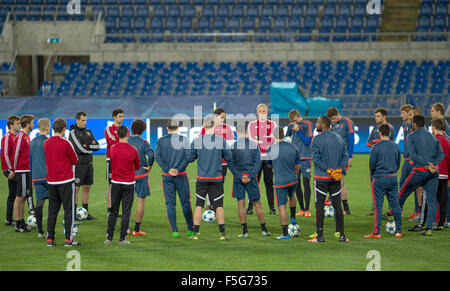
(159, 251)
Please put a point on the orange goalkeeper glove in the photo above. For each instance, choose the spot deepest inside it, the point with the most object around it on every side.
(335, 174)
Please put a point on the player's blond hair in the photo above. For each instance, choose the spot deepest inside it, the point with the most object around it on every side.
(43, 124)
(406, 108)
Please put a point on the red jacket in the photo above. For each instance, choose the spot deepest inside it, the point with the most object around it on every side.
(261, 133)
(111, 138)
(60, 159)
(21, 153)
(444, 165)
(125, 161)
(7, 145)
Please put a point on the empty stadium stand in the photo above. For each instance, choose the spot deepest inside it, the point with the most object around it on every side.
(357, 81)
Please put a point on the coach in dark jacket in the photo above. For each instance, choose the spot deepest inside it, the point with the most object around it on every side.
(84, 144)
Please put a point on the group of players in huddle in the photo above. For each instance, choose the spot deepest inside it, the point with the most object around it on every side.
(58, 167)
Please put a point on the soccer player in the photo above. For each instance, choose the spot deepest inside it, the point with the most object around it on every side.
(384, 163)
(39, 170)
(7, 158)
(84, 144)
(125, 161)
(437, 111)
(380, 118)
(301, 132)
(285, 160)
(171, 155)
(21, 168)
(438, 127)
(60, 159)
(223, 130)
(208, 150)
(374, 137)
(260, 131)
(146, 158)
(343, 126)
(330, 159)
(245, 166)
(111, 139)
(426, 153)
(406, 113)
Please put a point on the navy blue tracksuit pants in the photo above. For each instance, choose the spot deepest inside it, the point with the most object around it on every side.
(386, 186)
(406, 170)
(172, 185)
(429, 181)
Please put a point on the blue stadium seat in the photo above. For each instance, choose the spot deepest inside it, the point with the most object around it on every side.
(329, 10)
(186, 23)
(344, 11)
(189, 11)
(156, 23)
(267, 11)
(219, 23)
(208, 11)
(265, 23)
(159, 11)
(327, 22)
(125, 23)
(312, 11)
(128, 11)
(248, 23)
(142, 11)
(112, 12)
(171, 23)
(252, 11)
(309, 22)
(234, 23)
(237, 11)
(174, 11)
(282, 11)
(223, 11)
(341, 22)
(297, 11)
(441, 9)
(359, 10)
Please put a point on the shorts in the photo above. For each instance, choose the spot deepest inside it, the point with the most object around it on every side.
(282, 194)
(142, 188)
(24, 186)
(251, 187)
(41, 191)
(84, 174)
(305, 168)
(108, 171)
(214, 190)
(224, 171)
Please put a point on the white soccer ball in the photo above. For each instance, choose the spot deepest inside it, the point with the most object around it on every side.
(31, 221)
(81, 213)
(209, 216)
(390, 227)
(74, 231)
(288, 139)
(293, 230)
(328, 211)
